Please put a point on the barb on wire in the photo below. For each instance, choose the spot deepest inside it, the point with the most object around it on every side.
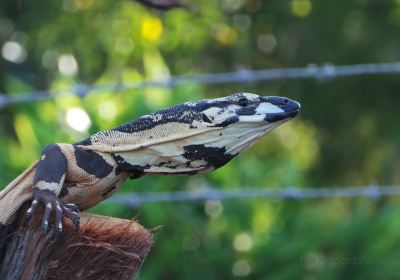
(135, 200)
(324, 72)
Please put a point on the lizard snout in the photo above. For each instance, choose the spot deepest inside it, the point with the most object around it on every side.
(290, 108)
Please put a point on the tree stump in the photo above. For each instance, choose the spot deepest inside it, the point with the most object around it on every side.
(104, 248)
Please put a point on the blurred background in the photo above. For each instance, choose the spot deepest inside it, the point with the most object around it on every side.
(348, 132)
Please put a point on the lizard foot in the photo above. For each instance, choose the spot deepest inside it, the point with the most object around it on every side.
(51, 201)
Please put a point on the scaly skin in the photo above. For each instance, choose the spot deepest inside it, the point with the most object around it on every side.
(194, 137)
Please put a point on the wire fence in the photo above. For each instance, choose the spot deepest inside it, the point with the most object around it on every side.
(321, 73)
(135, 200)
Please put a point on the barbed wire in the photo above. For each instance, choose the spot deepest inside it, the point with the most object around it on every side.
(322, 73)
(290, 193)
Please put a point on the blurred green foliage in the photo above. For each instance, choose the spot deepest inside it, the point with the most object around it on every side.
(347, 134)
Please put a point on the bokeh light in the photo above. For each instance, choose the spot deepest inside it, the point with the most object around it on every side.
(78, 119)
(301, 8)
(242, 242)
(213, 208)
(151, 29)
(67, 65)
(13, 52)
(241, 268)
(266, 43)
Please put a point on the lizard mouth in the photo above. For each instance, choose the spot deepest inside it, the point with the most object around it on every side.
(269, 117)
(275, 117)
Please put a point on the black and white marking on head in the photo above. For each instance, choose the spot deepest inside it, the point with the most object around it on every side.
(246, 107)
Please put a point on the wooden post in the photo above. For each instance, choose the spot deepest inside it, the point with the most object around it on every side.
(105, 248)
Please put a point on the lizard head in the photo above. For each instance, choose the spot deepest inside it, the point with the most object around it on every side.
(246, 108)
(238, 121)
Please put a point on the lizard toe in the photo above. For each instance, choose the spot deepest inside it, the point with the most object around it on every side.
(32, 209)
(46, 216)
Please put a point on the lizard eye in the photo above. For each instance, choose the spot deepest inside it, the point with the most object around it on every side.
(243, 102)
(206, 119)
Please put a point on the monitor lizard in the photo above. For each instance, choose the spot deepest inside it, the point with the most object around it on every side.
(186, 139)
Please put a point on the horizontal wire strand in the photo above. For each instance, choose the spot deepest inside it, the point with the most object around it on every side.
(290, 193)
(322, 73)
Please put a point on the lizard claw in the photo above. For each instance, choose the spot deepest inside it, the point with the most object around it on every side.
(51, 201)
(71, 211)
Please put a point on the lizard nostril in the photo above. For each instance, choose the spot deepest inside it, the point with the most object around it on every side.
(286, 101)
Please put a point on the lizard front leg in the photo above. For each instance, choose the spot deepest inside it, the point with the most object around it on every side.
(47, 184)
